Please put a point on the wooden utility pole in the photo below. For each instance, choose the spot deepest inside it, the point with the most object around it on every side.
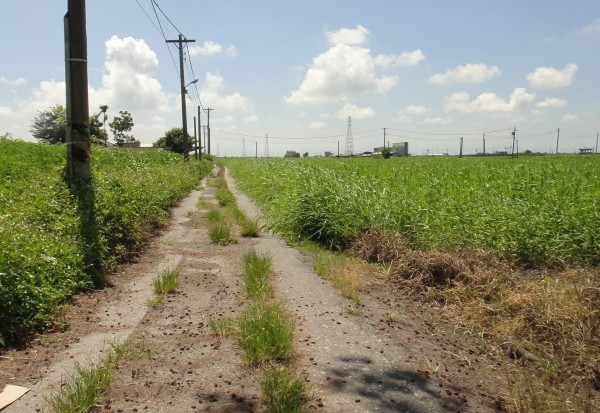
(78, 121)
(208, 127)
(180, 41)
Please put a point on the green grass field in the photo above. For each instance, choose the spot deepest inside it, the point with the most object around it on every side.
(54, 240)
(531, 211)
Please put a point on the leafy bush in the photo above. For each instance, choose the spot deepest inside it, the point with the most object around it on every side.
(55, 240)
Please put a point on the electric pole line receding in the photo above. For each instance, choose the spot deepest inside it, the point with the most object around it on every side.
(349, 143)
(267, 145)
(180, 42)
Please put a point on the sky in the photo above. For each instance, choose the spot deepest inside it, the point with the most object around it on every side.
(424, 72)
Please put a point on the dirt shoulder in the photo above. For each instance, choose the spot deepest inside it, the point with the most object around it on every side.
(414, 361)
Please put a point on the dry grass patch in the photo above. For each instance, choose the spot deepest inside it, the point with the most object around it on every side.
(343, 272)
(548, 321)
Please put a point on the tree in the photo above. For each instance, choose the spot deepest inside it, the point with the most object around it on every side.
(172, 141)
(50, 126)
(120, 126)
(305, 154)
(103, 109)
(97, 135)
(386, 153)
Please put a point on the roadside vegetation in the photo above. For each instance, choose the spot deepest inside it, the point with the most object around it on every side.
(55, 240)
(508, 247)
(87, 384)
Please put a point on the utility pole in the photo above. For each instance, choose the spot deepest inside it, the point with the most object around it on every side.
(384, 138)
(256, 150)
(195, 141)
(461, 147)
(208, 127)
(596, 142)
(557, 137)
(204, 127)
(514, 134)
(180, 41)
(267, 145)
(76, 79)
(484, 144)
(199, 142)
(243, 147)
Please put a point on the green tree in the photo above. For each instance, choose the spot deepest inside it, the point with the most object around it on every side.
(172, 141)
(50, 126)
(103, 109)
(120, 126)
(386, 153)
(97, 134)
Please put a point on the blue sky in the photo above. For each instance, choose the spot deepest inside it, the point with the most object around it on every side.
(429, 71)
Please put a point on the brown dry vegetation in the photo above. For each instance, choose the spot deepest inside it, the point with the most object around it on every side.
(544, 325)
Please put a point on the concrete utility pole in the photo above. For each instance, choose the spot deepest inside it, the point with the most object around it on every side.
(484, 144)
(195, 141)
(76, 79)
(557, 137)
(461, 147)
(596, 142)
(180, 41)
(208, 127)
(199, 142)
(514, 134)
(384, 137)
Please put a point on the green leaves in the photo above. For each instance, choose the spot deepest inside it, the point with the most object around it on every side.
(53, 241)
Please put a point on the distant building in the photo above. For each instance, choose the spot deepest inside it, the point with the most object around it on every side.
(328, 154)
(397, 149)
(585, 150)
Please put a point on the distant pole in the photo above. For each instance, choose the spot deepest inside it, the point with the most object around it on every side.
(557, 137)
(199, 142)
(76, 79)
(180, 41)
(255, 150)
(338, 149)
(514, 135)
(204, 127)
(208, 127)
(517, 148)
(484, 144)
(596, 142)
(461, 147)
(195, 141)
(384, 137)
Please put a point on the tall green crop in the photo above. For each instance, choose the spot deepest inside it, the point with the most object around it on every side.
(533, 211)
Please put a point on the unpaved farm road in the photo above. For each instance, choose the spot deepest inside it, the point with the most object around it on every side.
(353, 363)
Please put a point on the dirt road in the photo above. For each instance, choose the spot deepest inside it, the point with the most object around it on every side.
(354, 363)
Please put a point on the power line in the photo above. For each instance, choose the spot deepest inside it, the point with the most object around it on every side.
(166, 17)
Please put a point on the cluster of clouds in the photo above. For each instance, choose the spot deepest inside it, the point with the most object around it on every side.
(129, 82)
(348, 70)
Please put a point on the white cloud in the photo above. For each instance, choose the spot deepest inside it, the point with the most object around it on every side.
(469, 73)
(550, 78)
(130, 82)
(224, 119)
(487, 102)
(350, 37)
(342, 73)
(16, 82)
(210, 48)
(317, 125)
(356, 112)
(570, 118)
(212, 92)
(5, 111)
(438, 121)
(251, 119)
(407, 113)
(405, 59)
(591, 28)
(551, 102)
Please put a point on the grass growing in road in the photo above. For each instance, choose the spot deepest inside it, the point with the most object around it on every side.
(341, 271)
(249, 227)
(167, 280)
(221, 327)
(265, 333)
(283, 391)
(88, 383)
(220, 233)
(256, 275)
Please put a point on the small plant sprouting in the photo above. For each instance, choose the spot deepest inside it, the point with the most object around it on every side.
(167, 280)
(221, 327)
(283, 391)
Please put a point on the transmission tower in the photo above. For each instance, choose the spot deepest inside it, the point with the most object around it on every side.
(244, 148)
(349, 144)
(267, 145)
